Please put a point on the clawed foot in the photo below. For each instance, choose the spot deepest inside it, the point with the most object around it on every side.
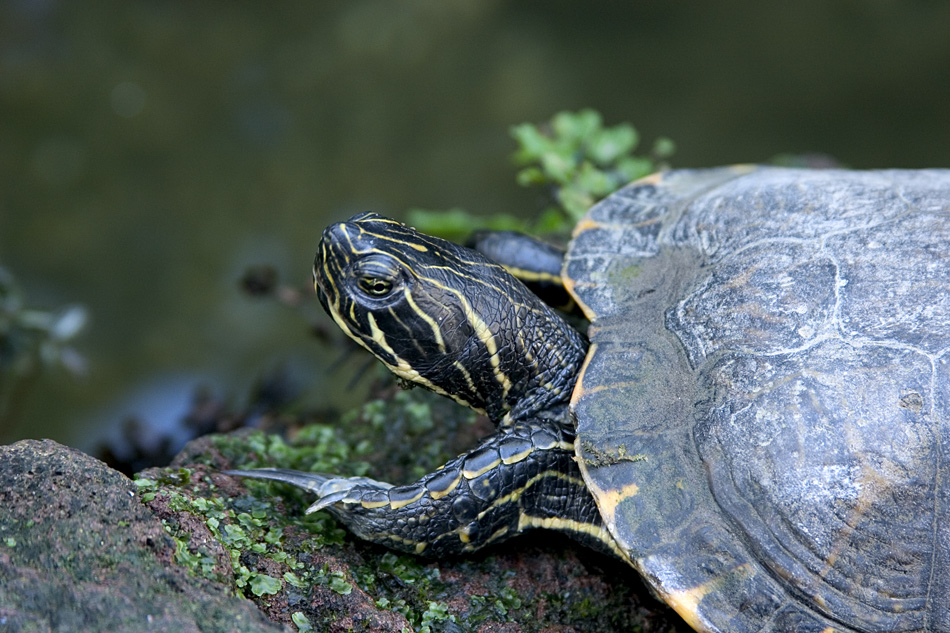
(484, 496)
(329, 488)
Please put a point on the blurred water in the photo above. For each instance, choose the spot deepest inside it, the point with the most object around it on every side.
(149, 151)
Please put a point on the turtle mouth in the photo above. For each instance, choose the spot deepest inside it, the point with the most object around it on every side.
(340, 244)
(326, 268)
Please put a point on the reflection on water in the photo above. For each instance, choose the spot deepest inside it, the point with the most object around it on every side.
(150, 151)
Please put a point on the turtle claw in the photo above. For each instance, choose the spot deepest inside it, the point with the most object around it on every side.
(337, 489)
(323, 502)
(329, 488)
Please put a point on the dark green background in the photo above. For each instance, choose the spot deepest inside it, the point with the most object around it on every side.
(149, 151)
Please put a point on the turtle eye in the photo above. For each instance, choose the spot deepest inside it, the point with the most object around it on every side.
(375, 286)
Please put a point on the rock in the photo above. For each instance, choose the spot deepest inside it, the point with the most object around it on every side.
(83, 548)
(291, 563)
(79, 552)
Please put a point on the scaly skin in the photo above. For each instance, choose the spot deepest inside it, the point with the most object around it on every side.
(449, 319)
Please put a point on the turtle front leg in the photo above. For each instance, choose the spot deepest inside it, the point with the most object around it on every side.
(522, 478)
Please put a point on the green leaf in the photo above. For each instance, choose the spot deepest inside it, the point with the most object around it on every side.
(584, 160)
(593, 181)
(338, 583)
(576, 126)
(575, 158)
(294, 579)
(663, 147)
(575, 201)
(558, 168)
(608, 146)
(532, 143)
(634, 167)
(263, 584)
(458, 224)
(530, 176)
(301, 621)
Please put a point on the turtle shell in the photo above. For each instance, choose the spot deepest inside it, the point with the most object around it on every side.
(764, 416)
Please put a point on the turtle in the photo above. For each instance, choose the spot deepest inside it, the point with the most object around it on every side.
(757, 419)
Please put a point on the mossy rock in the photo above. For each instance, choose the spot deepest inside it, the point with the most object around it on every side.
(308, 571)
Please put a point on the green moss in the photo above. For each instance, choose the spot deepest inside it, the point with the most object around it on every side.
(241, 526)
(435, 613)
(251, 529)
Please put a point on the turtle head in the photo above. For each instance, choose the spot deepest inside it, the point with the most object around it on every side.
(437, 314)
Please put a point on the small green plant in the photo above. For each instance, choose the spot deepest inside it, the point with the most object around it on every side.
(583, 160)
(436, 613)
(576, 158)
(241, 533)
(301, 621)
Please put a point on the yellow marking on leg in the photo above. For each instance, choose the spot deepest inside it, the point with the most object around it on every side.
(517, 457)
(472, 474)
(561, 444)
(598, 532)
(686, 601)
(372, 505)
(420, 547)
(396, 504)
(417, 545)
(514, 495)
(438, 494)
(499, 533)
